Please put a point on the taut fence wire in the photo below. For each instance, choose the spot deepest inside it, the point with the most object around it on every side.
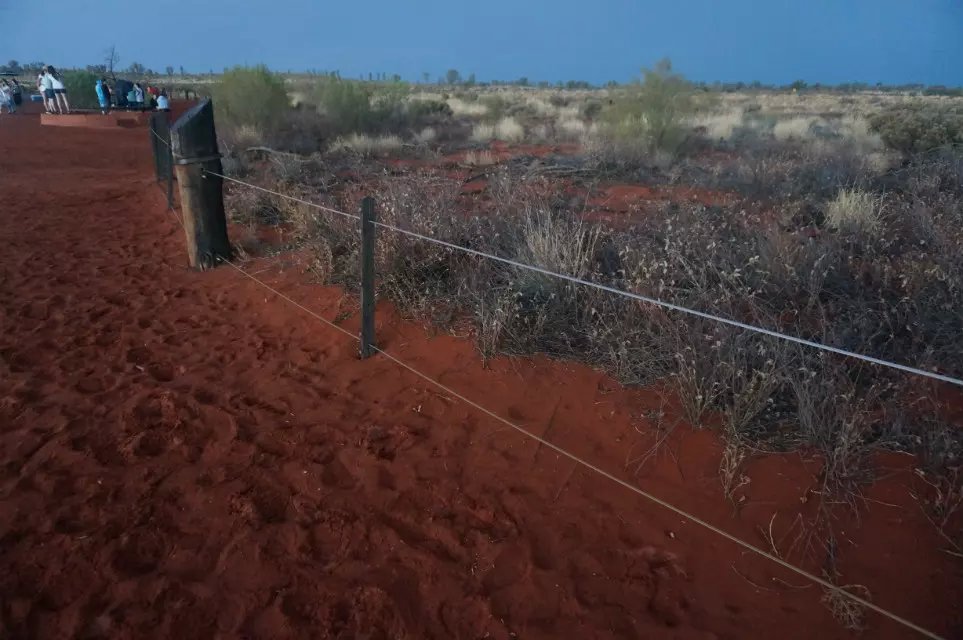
(371, 347)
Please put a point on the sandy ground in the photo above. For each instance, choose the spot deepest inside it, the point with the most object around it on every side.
(184, 455)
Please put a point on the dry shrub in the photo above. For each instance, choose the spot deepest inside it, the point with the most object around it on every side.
(855, 211)
(483, 158)
(426, 136)
(847, 611)
(721, 126)
(799, 128)
(507, 129)
(464, 108)
(919, 126)
(856, 292)
(483, 132)
(367, 145)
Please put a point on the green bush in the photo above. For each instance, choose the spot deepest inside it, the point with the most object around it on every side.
(653, 113)
(354, 107)
(918, 127)
(81, 89)
(250, 97)
(426, 110)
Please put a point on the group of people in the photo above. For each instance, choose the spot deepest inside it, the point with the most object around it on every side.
(52, 89)
(124, 94)
(130, 96)
(11, 95)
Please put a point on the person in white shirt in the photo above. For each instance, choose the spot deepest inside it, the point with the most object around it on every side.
(49, 97)
(60, 91)
(42, 90)
(6, 97)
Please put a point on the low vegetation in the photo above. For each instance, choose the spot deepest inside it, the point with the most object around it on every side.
(80, 88)
(252, 98)
(920, 126)
(839, 222)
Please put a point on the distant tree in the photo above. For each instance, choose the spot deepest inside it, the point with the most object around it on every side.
(170, 71)
(370, 77)
(470, 82)
(798, 85)
(111, 60)
(452, 76)
(396, 78)
(136, 69)
(522, 82)
(425, 77)
(181, 69)
(14, 67)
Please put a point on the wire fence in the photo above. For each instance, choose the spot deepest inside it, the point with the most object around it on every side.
(621, 292)
(160, 139)
(762, 553)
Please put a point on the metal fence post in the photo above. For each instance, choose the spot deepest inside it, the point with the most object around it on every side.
(367, 277)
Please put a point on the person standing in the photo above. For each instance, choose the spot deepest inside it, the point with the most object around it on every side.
(60, 91)
(47, 90)
(163, 104)
(6, 97)
(103, 95)
(139, 95)
(17, 92)
(42, 90)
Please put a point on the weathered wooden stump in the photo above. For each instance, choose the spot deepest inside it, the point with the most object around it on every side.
(197, 163)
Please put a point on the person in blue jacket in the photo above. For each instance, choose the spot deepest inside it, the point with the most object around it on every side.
(103, 96)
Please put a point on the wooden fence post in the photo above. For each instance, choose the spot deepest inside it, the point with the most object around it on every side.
(195, 154)
(367, 277)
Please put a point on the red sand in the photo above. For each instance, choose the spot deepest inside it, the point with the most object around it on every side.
(183, 455)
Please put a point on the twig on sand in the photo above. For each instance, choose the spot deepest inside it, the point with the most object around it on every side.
(565, 482)
(743, 576)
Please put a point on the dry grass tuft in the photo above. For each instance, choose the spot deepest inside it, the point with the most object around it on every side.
(507, 129)
(855, 211)
(799, 128)
(463, 108)
(367, 145)
(721, 126)
(483, 158)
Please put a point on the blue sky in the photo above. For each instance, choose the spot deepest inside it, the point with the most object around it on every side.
(830, 41)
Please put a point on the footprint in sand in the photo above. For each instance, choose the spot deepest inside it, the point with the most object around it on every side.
(140, 551)
(161, 372)
(336, 474)
(151, 444)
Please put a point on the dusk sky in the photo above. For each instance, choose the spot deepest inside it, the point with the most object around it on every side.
(774, 41)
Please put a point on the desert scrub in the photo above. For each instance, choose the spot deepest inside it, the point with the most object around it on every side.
(919, 126)
(855, 211)
(367, 145)
(80, 89)
(653, 115)
(252, 97)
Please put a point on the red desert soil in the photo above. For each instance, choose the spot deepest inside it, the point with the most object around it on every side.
(183, 455)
